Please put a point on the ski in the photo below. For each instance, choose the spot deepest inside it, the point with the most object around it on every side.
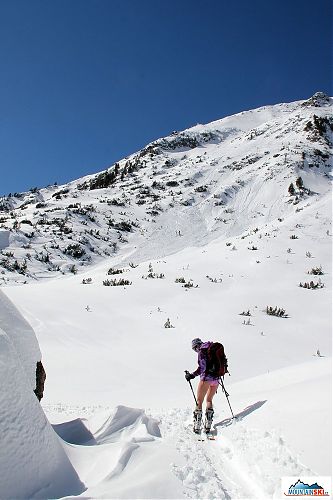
(198, 435)
(202, 435)
(210, 434)
(205, 436)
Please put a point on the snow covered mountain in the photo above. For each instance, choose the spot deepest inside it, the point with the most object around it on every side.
(222, 232)
(221, 179)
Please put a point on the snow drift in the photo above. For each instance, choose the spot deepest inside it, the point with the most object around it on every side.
(33, 463)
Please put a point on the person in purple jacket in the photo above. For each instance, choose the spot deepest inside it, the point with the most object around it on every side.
(207, 386)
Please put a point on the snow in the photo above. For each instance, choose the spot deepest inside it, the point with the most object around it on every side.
(248, 165)
(120, 408)
(21, 337)
(4, 239)
(33, 463)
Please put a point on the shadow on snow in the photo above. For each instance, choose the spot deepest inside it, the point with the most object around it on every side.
(244, 413)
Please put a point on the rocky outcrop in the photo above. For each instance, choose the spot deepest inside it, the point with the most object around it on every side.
(317, 100)
(40, 380)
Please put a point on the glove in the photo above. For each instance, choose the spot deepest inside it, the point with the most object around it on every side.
(188, 376)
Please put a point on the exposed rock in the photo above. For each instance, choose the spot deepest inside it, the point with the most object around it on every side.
(40, 380)
(317, 100)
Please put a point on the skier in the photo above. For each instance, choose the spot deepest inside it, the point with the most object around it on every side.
(207, 386)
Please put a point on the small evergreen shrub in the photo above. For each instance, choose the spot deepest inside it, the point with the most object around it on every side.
(168, 324)
(115, 271)
(158, 185)
(311, 285)
(42, 257)
(245, 313)
(201, 189)
(103, 180)
(116, 202)
(299, 183)
(317, 271)
(8, 254)
(125, 226)
(214, 280)
(20, 268)
(60, 193)
(247, 322)
(153, 275)
(276, 311)
(74, 250)
(291, 189)
(114, 282)
(190, 284)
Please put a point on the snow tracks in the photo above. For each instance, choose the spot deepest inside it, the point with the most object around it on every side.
(126, 453)
(241, 463)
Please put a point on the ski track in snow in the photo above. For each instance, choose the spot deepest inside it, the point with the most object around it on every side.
(241, 463)
(247, 464)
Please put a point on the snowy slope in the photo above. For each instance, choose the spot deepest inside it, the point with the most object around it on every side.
(219, 179)
(115, 390)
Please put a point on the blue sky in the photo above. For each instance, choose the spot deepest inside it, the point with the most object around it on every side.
(84, 83)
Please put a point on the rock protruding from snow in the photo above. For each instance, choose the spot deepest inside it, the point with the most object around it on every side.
(317, 100)
(33, 463)
(40, 380)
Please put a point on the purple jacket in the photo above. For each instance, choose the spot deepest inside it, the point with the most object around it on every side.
(202, 365)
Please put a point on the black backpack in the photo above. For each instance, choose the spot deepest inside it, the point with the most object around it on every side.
(217, 363)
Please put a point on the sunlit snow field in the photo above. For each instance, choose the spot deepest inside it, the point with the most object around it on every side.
(115, 388)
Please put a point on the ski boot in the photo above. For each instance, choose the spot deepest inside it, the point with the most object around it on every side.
(209, 420)
(197, 419)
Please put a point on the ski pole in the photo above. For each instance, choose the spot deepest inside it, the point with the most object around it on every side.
(227, 396)
(195, 399)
